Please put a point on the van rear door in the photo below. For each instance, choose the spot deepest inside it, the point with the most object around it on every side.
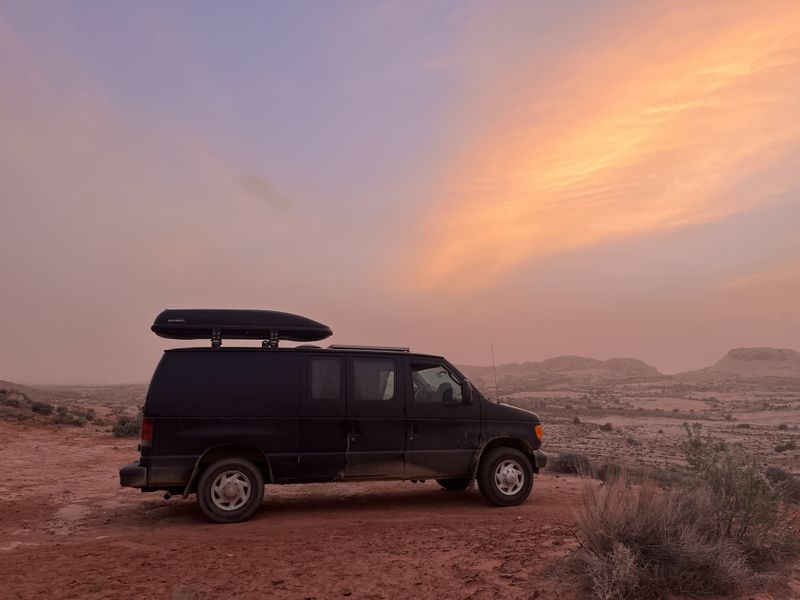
(323, 416)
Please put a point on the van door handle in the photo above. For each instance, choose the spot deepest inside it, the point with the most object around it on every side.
(412, 429)
(355, 431)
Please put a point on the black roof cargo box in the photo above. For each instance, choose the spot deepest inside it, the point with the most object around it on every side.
(215, 324)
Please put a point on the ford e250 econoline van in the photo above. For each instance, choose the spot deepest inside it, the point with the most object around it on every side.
(221, 422)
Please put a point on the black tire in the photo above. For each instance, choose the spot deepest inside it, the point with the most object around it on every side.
(243, 475)
(459, 484)
(516, 464)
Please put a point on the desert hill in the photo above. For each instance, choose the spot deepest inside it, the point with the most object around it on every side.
(738, 364)
(751, 363)
(561, 369)
(31, 392)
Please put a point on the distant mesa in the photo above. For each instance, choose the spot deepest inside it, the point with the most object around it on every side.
(563, 369)
(738, 364)
(758, 362)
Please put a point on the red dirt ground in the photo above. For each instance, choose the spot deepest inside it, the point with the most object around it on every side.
(68, 530)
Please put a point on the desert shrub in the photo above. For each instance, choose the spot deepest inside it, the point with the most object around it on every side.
(788, 483)
(576, 420)
(90, 414)
(606, 427)
(783, 427)
(640, 542)
(710, 532)
(126, 426)
(570, 463)
(43, 408)
(68, 418)
(12, 413)
(745, 498)
(608, 470)
(631, 441)
(12, 402)
(784, 446)
(743, 425)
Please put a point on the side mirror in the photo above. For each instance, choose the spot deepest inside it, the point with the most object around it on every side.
(466, 392)
(447, 395)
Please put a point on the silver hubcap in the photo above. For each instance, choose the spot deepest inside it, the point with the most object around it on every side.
(230, 490)
(509, 477)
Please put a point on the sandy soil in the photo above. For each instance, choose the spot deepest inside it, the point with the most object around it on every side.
(68, 530)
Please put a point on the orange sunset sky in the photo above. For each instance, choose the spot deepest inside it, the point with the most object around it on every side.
(593, 178)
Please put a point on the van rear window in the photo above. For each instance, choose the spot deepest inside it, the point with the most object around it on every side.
(223, 383)
(326, 378)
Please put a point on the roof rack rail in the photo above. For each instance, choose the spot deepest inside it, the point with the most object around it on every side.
(371, 348)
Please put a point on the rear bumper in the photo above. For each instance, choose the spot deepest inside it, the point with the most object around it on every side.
(133, 475)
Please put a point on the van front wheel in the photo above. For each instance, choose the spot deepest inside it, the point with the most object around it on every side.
(230, 490)
(505, 477)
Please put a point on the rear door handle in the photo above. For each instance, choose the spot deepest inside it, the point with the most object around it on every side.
(354, 431)
(412, 429)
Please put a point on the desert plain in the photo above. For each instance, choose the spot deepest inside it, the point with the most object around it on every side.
(67, 529)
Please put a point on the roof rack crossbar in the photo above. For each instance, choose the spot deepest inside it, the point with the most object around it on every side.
(374, 348)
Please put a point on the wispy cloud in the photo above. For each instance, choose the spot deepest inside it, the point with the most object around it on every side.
(657, 138)
(258, 187)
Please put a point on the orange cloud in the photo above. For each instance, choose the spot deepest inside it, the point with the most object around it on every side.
(657, 144)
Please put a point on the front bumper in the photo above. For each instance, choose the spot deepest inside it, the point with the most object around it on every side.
(540, 458)
(133, 475)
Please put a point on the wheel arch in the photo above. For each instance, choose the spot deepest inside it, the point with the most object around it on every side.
(222, 451)
(504, 442)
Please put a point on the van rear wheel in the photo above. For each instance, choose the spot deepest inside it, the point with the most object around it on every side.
(505, 477)
(459, 484)
(230, 490)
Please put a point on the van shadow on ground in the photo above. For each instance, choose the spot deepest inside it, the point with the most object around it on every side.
(326, 501)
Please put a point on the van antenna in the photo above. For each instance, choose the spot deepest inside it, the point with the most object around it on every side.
(494, 370)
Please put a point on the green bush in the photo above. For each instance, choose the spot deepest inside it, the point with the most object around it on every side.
(570, 463)
(43, 408)
(126, 426)
(745, 497)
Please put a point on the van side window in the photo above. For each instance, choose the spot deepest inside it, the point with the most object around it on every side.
(373, 379)
(434, 384)
(326, 378)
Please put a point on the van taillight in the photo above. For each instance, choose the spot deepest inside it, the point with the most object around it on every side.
(147, 430)
(538, 430)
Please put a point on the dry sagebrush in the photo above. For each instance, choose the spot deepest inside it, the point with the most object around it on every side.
(715, 533)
